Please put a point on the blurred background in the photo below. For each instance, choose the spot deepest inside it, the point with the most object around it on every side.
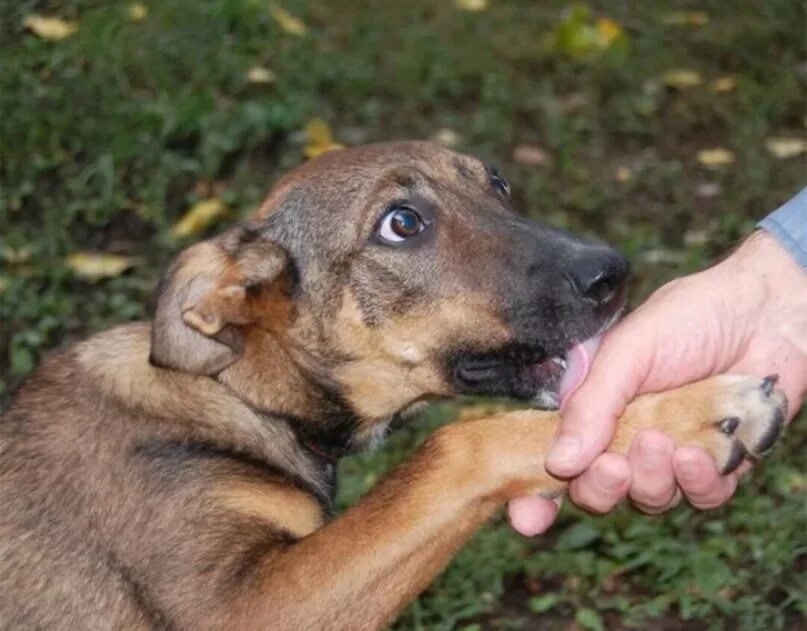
(130, 129)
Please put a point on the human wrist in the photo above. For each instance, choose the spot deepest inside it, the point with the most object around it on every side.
(762, 263)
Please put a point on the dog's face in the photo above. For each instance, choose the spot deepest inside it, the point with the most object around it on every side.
(405, 274)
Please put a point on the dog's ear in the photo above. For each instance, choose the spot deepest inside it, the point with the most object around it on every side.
(211, 292)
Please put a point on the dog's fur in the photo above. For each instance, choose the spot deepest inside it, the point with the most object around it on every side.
(179, 474)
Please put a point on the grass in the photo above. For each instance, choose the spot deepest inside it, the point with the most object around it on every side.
(109, 136)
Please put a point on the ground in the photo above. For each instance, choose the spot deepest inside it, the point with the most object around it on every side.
(654, 126)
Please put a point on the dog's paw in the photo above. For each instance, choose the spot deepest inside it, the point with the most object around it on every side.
(731, 416)
(752, 418)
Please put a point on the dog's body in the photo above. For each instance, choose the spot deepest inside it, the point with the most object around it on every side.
(180, 474)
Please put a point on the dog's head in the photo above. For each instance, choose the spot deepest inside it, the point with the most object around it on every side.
(383, 275)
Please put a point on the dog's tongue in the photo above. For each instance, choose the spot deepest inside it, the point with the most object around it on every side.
(578, 362)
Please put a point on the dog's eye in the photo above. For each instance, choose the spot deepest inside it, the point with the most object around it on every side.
(399, 224)
(499, 183)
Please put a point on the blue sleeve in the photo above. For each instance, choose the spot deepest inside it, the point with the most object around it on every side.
(788, 224)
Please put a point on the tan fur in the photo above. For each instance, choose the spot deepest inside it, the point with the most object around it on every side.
(177, 474)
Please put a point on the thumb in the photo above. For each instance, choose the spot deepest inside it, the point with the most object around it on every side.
(617, 374)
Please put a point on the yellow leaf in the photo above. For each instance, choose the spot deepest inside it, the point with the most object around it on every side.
(259, 74)
(446, 137)
(320, 138)
(623, 174)
(609, 30)
(685, 18)
(681, 78)
(715, 158)
(49, 28)
(289, 23)
(783, 148)
(199, 217)
(531, 155)
(16, 256)
(138, 11)
(724, 84)
(471, 5)
(93, 266)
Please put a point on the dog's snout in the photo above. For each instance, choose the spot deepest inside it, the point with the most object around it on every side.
(599, 278)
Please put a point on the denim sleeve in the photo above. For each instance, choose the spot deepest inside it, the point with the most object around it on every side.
(788, 224)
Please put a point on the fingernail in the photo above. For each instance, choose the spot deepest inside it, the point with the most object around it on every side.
(564, 452)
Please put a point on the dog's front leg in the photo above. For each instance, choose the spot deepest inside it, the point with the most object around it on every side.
(360, 570)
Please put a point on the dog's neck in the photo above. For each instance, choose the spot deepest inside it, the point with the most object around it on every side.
(269, 379)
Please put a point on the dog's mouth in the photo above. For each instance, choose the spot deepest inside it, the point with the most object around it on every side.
(530, 373)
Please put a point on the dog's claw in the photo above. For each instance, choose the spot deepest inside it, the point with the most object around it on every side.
(729, 425)
(768, 383)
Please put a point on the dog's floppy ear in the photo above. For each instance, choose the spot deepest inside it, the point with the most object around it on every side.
(212, 290)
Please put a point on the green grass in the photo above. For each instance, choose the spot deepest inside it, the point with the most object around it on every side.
(107, 138)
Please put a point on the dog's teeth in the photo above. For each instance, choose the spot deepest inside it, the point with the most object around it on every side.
(560, 362)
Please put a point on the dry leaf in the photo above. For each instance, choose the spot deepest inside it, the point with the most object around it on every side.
(138, 11)
(783, 148)
(259, 74)
(52, 29)
(707, 190)
(609, 30)
(685, 18)
(723, 84)
(471, 5)
(681, 78)
(289, 23)
(94, 266)
(715, 158)
(623, 174)
(530, 155)
(320, 138)
(446, 137)
(16, 256)
(199, 217)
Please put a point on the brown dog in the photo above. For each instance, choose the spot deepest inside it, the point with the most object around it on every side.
(179, 474)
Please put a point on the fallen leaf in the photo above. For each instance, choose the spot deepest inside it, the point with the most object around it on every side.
(715, 158)
(783, 148)
(609, 30)
(708, 190)
(685, 18)
(471, 5)
(446, 137)
(288, 22)
(320, 138)
(579, 36)
(530, 155)
(681, 78)
(16, 256)
(199, 217)
(94, 266)
(259, 74)
(52, 29)
(138, 11)
(663, 257)
(723, 84)
(623, 174)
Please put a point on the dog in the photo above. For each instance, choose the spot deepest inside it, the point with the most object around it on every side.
(179, 474)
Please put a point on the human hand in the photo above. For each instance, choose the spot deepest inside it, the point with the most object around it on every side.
(746, 315)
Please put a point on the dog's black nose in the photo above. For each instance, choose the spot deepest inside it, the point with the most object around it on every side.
(599, 277)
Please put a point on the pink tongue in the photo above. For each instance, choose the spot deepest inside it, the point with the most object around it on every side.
(578, 362)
